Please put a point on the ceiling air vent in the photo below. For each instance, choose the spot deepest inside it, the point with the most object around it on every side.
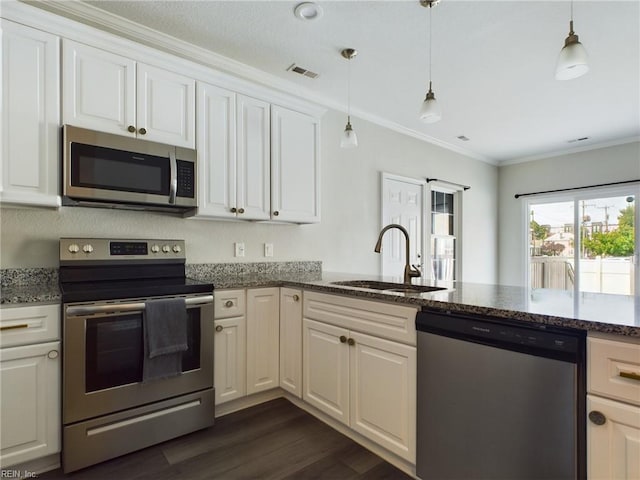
(463, 138)
(302, 71)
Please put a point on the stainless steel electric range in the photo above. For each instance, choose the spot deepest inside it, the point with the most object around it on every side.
(109, 409)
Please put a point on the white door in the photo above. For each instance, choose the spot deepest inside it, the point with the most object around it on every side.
(383, 393)
(263, 339)
(29, 148)
(230, 359)
(30, 399)
(613, 449)
(254, 157)
(326, 368)
(291, 340)
(98, 89)
(295, 163)
(166, 107)
(402, 203)
(216, 146)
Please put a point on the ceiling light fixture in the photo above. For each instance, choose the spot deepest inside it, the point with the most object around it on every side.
(573, 59)
(430, 112)
(349, 138)
(308, 11)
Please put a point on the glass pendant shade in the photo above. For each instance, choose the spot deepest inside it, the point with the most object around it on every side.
(573, 60)
(430, 111)
(349, 138)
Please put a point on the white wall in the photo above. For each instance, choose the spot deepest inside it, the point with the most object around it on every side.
(605, 165)
(344, 240)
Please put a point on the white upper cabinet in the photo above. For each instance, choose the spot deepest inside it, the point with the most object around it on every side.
(295, 174)
(30, 116)
(166, 106)
(106, 92)
(216, 145)
(256, 161)
(253, 162)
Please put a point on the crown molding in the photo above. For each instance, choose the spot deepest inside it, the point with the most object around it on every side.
(570, 151)
(89, 15)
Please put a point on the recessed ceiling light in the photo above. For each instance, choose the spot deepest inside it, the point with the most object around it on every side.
(308, 11)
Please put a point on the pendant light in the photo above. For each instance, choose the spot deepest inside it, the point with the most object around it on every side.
(573, 60)
(430, 112)
(349, 137)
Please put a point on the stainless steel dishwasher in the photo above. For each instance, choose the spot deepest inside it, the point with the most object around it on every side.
(499, 399)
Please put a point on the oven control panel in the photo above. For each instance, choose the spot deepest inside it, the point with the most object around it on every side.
(103, 249)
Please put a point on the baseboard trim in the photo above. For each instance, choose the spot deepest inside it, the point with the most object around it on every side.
(32, 468)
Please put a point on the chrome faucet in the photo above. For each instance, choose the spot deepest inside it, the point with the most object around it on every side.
(410, 271)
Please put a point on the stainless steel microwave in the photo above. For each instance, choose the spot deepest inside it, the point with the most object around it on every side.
(101, 169)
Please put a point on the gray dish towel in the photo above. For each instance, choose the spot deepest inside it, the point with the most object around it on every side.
(165, 338)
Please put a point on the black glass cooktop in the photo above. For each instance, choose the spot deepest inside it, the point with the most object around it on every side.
(88, 291)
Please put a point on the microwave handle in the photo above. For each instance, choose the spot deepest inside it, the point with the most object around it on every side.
(173, 187)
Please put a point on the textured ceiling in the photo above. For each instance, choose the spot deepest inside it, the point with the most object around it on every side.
(493, 63)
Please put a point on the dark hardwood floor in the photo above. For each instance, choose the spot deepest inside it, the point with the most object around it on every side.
(274, 440)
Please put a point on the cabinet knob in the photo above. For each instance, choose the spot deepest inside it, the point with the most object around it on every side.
(234, 209)
(142, 131)
(131, 129)
(296, 298)
(53, 354)
(241, 210)
(351, 342)
(276, 213)
(597, 417)
(219, 328)
(228, 304)
(343, 339)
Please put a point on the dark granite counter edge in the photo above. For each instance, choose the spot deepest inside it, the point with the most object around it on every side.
(49, 293)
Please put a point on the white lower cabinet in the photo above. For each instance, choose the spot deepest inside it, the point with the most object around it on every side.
(263, 339)
(229, 353)
(613, 406)
(613, 448)
(291, 341)
(230, 366)
(366, 382)
(30, 380)
(30, 401)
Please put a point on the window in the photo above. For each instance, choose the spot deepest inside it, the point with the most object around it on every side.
(445, 233)
(585, 241)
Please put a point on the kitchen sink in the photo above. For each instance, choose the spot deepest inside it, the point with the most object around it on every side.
(388, 286)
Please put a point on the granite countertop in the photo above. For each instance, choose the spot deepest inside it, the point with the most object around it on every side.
(616, 314)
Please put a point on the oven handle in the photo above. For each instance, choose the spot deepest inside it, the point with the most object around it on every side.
(78, 310)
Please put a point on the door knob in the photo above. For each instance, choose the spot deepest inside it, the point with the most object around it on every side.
(597, 417)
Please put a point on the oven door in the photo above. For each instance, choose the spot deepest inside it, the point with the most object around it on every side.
(103, 355)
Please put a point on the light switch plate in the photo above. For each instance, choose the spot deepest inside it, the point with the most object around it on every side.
(268, 249)
(239, 249)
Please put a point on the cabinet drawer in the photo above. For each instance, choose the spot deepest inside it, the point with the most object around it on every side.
(229, 303)
(614, 369)
(395, 322)
(26, 325)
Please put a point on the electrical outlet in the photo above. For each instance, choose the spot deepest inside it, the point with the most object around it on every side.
(239, 249)
(268, 249)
